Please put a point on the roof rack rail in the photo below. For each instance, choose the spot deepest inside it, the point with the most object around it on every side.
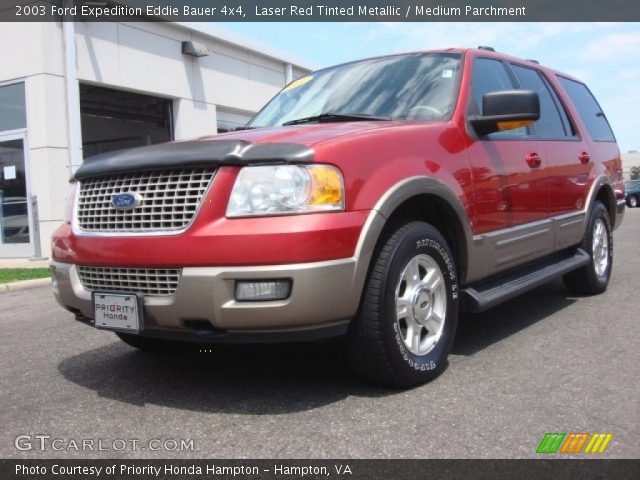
(484, 47)
(533, 61)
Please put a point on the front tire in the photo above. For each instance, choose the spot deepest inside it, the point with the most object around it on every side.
(633, 201)
(594, 277)
(407, 321)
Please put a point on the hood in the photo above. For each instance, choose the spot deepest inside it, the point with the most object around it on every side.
(306, 134)
(290, 144)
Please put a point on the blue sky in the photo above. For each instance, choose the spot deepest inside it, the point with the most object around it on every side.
(605, 55)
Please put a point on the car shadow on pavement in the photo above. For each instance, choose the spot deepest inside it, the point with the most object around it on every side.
(478, 331)
(274, 379)
(241, 379)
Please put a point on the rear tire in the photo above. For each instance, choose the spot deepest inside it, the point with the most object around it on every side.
(407, 321)
(633, 201)
(594, 277)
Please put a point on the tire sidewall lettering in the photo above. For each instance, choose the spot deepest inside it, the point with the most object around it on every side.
(435, 249)
(451, 271)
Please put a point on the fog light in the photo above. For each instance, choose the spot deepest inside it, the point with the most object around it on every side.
(262, 290)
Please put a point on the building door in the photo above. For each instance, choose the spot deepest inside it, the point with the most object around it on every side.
(15, 236)
(116, 119)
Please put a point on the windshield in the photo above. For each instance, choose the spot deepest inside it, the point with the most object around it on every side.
(403, 87)
(632, 184)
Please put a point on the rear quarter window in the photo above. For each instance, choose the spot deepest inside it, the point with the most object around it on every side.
(589, 110)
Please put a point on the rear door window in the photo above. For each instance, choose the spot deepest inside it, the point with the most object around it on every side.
(553, 123)
(589, 110)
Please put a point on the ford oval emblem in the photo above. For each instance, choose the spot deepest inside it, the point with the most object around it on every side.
(125, 201)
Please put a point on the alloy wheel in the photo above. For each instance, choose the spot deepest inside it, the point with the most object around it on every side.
(421, 304)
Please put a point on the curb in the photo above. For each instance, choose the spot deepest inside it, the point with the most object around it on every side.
(24, 285)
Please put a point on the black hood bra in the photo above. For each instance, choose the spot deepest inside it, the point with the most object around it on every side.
(193, 153)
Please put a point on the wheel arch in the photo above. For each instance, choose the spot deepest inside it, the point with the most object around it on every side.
(603, 192)
(422, 198)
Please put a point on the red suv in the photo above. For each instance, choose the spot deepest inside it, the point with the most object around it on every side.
(373, 200)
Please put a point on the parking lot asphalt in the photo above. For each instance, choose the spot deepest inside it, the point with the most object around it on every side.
(545, 362)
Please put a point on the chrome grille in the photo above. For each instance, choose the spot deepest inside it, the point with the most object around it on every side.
(169, 200)
(152, 282)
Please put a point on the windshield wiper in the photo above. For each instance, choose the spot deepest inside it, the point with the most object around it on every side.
(335, 117)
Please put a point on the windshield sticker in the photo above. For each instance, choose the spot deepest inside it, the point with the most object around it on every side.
(298, 83)
(448, 73)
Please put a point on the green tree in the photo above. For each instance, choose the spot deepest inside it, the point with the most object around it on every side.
(635, 173)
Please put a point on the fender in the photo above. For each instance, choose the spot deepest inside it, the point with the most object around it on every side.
(603, 182)
(384, 208)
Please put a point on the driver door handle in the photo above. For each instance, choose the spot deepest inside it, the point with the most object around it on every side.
(584, 157)
(533, 159)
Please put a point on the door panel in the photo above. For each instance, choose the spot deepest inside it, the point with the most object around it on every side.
(568, 177)
(508, 191)
(572, 162)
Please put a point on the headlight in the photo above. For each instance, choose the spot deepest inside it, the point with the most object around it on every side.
(286, 189)
(69, 200)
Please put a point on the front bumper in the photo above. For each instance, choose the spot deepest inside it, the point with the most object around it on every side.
(204, 305)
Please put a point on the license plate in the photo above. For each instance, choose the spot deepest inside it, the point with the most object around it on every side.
(117, 311)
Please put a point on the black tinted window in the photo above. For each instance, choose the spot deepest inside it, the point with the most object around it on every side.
(490, 76)
(589, 110)
(12, 107)
(550, 124)
(568, 124)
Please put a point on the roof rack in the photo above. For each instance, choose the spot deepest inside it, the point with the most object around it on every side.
(484, 47)
(533, 61)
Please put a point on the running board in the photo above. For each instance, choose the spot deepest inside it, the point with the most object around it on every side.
(483, 295)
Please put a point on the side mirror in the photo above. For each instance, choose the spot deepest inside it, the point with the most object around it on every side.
(505, 110)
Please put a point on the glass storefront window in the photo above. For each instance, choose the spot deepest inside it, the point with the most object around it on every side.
(14, 213)
(13, 113)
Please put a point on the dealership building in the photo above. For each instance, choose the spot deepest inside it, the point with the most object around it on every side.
(71, 90)
(630, 160)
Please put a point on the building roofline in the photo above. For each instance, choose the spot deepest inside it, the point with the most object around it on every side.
(236, 39)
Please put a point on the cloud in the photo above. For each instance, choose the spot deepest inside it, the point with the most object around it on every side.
(613, 46)
(515, 38)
